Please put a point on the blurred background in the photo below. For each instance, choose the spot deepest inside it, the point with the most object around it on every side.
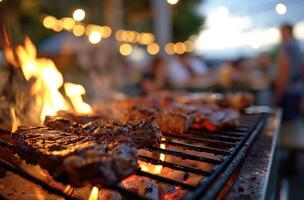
(137, 47)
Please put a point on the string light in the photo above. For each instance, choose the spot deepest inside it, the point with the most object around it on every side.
(58, 26)
(180, 48)
(95, 37)
(172, 2)
(125, 49)
(281, 9)
(95, 33)
(68, 23)
(49, 21)
(78, 30)
(79, 14)
(153, 49)
(169, 48)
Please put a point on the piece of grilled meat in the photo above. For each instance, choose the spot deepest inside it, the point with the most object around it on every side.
(213, 118)
(101, 153)
(75, 159)
(141, 133)
(169, 121)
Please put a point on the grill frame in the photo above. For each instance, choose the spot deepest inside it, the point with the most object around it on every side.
(208, 188)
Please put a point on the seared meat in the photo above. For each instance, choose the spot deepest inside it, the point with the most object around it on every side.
(167, 120)
(140, 133)
(101, 152)
(75, 159)
(213, 119)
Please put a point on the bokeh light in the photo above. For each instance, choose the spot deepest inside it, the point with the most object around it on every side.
(172, 2)
(58, 26)
(125, 49)
(68, 23)
(180, 48)
(78, 30)
(49, 22)
(281, 9)
(169, 48)
(95, 37)
(79, 14)
(153, 49)
(146, 38)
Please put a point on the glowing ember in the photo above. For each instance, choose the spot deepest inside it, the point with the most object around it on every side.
(48, 79)
(94, 194)
(151, 168)
(158, 168)
(74, 92)
(15, 120)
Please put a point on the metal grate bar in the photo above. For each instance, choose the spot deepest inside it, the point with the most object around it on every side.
(202, 140)
(199, 149)
(165, 180)
(203, 186)
(6, 145)
(174, 166)
(233, 133)
(186, 156)
(33, 179)
(214, 136)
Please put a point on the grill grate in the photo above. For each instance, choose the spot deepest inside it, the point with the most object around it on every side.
(232, 146)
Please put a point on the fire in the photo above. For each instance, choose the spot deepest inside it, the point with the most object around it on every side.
(158, 168)
(15, 120)
(154, 169)
(94, 194)
(48, 79)
(74, 92)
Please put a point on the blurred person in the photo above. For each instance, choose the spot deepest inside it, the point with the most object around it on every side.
(230, 72)
(184, 68)
(154, 77)
(287, 84)
(288, 93)
(265, 76)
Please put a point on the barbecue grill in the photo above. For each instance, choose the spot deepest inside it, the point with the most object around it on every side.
(229, 147)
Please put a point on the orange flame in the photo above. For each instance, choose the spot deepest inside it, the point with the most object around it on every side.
(48, 79)
(15, 120)
(75, 92)
(151, 168)
(94, 193)
(158, 168)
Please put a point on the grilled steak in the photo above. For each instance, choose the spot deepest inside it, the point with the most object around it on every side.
(101, 153)
(212, 118)
(167, 120)
(75, 159)
(140, 133)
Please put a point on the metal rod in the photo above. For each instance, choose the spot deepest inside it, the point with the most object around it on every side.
(186, 156)
(197, 148)
(33, 179)
(174, 166)
(214, 136)
(6, 145)
(165, 180)
(203, 186)
(230, 169)
(218, 143)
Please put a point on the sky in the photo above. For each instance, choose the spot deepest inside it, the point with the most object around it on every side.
(236, 27)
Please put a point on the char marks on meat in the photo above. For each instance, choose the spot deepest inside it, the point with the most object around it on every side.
(141, 133)
(168, 120)
(98, 152)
